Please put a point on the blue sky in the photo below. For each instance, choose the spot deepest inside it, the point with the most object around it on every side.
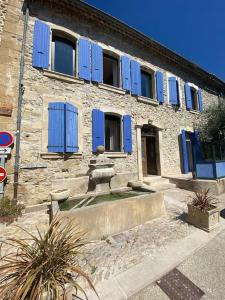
(194, 29)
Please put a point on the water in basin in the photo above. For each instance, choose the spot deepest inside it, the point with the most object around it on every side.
(69, 204)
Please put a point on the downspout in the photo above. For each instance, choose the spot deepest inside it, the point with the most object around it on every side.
(20, 99)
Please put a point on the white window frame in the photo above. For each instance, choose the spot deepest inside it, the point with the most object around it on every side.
(179, 89)
(196, 88)
(58, 33)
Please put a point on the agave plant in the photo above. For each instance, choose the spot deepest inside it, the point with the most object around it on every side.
(203, 200)
(43, 265)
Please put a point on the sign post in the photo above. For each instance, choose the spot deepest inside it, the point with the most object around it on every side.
(6, 140)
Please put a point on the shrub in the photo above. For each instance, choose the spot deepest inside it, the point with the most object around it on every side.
(10, 210)
(203, 200)
(44, 264)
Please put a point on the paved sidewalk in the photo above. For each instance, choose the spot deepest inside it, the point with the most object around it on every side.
(131, 261)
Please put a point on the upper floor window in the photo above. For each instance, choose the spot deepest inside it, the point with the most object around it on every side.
(146, 84)
(112, 133)
(63, 55)
(110, 70)
(194, 99)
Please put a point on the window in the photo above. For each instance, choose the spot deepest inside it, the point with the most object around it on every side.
(62, 127)
(63, 55)
(146, 84)
(112, 133)
(110, 70)
(194, 98)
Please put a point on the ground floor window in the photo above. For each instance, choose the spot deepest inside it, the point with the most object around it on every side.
(112, 133)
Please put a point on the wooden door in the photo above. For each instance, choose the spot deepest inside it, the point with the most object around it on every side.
(151, 155)
(144, 155)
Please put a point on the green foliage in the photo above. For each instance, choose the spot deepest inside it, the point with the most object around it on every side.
(203, 200)
(10, 210)
(212, 128)
(42, 265)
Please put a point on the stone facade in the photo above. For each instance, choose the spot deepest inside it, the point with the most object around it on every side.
(3, 10)
(42, 171)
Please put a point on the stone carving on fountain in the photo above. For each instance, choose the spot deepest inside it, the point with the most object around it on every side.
(101, 171)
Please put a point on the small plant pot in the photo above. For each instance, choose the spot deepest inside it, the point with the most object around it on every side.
(206, 220)
(60, 195)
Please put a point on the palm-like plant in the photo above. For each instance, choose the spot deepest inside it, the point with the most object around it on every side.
(203, 200)
(43, 265)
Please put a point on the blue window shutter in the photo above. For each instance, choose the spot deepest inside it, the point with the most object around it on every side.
(127, 134)
(200, 100)
(173, 97)
(71, 130)
(85, 59)
(98, 129)
(188, 96)
(135, 78)
(41, 44)
(159, 86)
(56, 127)
(196, 146)
(126, 80)
(96, 63)
(184, 151)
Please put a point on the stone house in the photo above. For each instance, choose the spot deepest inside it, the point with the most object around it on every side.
(73, 78)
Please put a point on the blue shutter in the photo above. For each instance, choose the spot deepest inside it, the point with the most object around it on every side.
(41, 44)
(126, 80)
(184, 151)
(173, 97)
(71, 130)
(96, 63)
(135, 78)
(159, 86)
(196, 146)
(127, 134)
(98, 129)
(56, 127)
(188, 96)
(85, 59)
(200, 100)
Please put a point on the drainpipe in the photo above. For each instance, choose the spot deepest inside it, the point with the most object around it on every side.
(19, 107)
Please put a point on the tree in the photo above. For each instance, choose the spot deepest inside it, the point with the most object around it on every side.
(212, 127)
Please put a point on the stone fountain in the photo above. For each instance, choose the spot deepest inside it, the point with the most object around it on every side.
(101, 171)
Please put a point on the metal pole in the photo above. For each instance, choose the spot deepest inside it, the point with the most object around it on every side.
(20, 98)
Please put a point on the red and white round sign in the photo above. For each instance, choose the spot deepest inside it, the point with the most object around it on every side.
(3, 174)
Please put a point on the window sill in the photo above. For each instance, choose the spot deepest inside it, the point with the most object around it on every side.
(195, 112)
(148, 101)
(51, 155)
(62, 77)
(170, 106)
(115, 154)
(111, 88)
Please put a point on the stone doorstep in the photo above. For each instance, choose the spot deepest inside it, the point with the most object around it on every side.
(128, 283)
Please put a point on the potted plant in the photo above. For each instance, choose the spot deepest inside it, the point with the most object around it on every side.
(202, 211)
(45, 267)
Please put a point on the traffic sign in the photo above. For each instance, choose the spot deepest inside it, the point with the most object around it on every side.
(3, 174)
(5, 151)
(6, 139)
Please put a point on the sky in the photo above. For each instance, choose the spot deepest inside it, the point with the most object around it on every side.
(194, 29)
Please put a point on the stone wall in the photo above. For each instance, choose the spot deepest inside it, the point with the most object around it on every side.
(3, 10)
(40, 88)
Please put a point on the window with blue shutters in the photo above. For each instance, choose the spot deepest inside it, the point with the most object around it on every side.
(62, 128)
(193, 97)
(107, 131)
(110, 70)
(147, 84)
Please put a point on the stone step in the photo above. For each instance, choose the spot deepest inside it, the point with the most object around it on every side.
(164, 187)
(155, 181)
